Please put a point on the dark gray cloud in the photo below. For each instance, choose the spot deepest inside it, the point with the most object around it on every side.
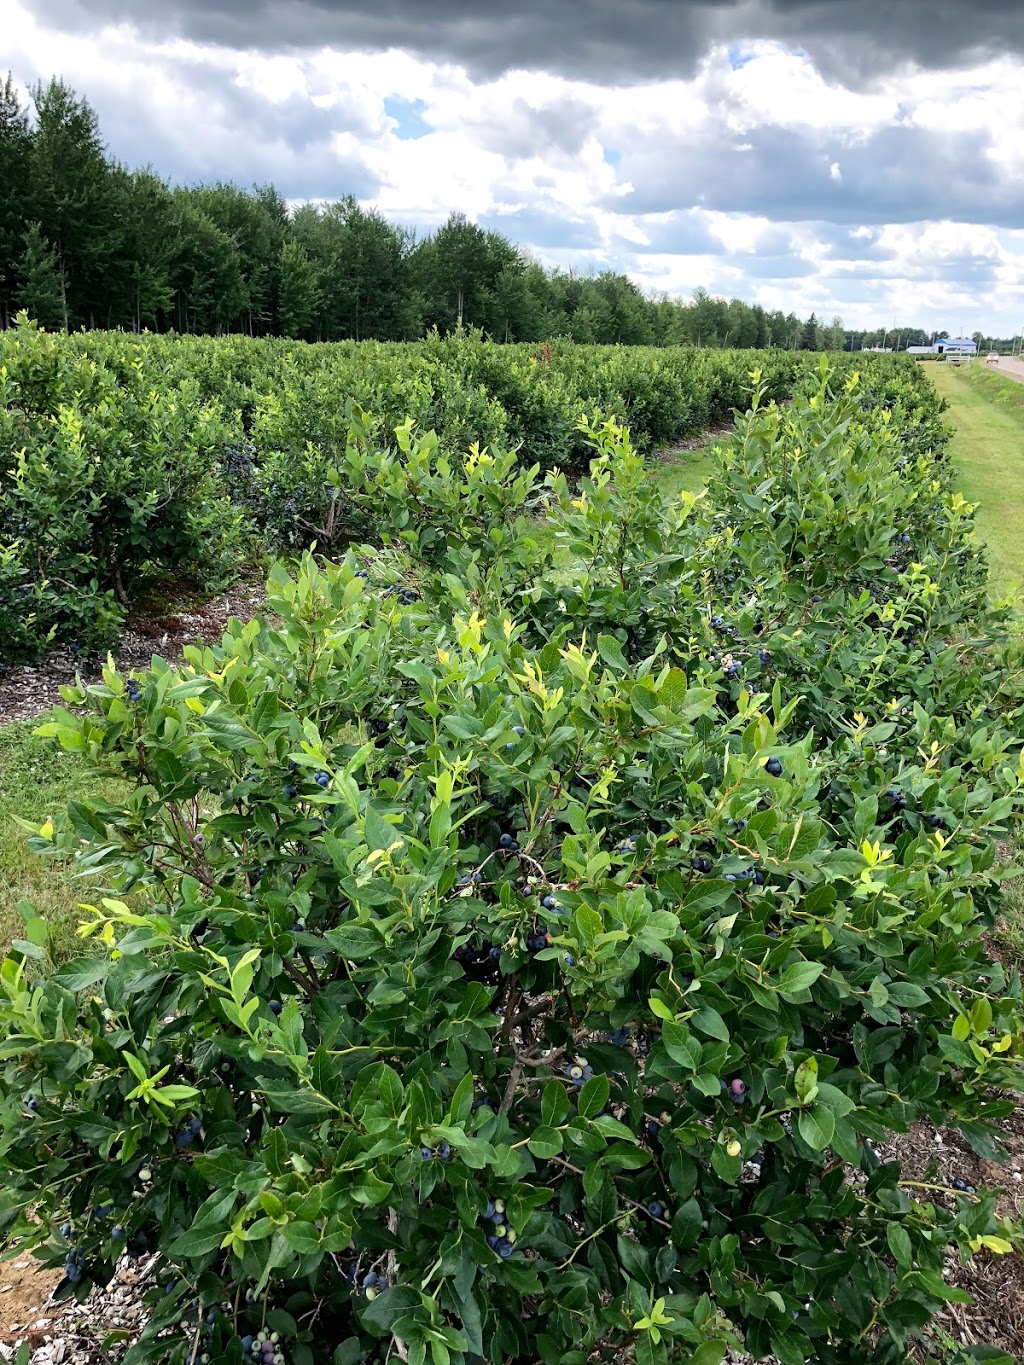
(898, 174)
(606, 40)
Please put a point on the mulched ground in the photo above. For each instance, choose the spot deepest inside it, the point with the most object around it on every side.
(26, 692)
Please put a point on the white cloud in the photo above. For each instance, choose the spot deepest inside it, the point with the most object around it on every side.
(532, 147)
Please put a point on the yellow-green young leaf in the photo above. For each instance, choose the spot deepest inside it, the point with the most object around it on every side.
(981, 1016)
(806, 1080)
(961, 1028)
(999, 1245)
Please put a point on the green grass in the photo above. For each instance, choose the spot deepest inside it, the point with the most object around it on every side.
(989, 452)
(38, 780)
(684, 470)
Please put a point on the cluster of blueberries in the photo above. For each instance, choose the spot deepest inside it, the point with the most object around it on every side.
(185, 1137)
(261, 1348)
(501, 1239)
(442, 1152)
(898, 801)
(731, 667)
(74, 1266)
(579, 1072)
(520, 732)
(538, 941)
(134, 691)
(737, 1091)
(472, 954)
(371, 1282)
(508, 844)
(963, 1187)
(405, 596)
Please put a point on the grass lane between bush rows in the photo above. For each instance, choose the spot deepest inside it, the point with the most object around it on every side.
(988, 449)
(37, 780)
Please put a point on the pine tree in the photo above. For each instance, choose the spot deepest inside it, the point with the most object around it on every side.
(809, 338)
(43, 293)
(15, 145)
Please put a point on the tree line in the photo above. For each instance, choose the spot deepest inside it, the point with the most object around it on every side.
(87, 242)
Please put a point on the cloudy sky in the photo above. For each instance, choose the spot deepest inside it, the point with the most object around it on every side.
(861, 157)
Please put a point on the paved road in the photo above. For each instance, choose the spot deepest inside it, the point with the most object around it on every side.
(1012, 368)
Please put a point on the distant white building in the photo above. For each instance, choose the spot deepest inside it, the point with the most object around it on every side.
(961, 346)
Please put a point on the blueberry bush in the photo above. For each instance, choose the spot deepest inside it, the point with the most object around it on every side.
(502, 962)
(130, 463)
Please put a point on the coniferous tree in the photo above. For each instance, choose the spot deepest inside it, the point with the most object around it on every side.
(42, 294)
(70, 196)
(810, 339)
(15, 147)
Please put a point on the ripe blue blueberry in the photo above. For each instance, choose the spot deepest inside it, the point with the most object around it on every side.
(570, 961)
(620, 1037)
(655, 1209)
(764, 656)
(444, 1151)
(274, 1006)
(322, 779)
(426, 1154)
(32, 1104)
(774, 767)
(369, 1279)
(117, 1232)
(291, 790)
(185, 1138)
(65, 1230)
(359, 573)
(507, 842)
(701, 864)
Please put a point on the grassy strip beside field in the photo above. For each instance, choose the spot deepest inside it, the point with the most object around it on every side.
(38, 780)
(988, 448)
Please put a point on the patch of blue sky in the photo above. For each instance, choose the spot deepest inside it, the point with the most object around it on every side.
(408, 114)
(739, 57)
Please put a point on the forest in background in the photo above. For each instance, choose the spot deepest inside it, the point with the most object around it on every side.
(87, 242)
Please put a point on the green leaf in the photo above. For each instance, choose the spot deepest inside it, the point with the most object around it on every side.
(593, 1097)
(798, 978)
(545, 1143)
(816, 1126)
(82, 973)
(709, 1021)
(681, 1046)
(906, 995)
(711, 1353)
(899, 1244)
(611, 652)
(554, 1104)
